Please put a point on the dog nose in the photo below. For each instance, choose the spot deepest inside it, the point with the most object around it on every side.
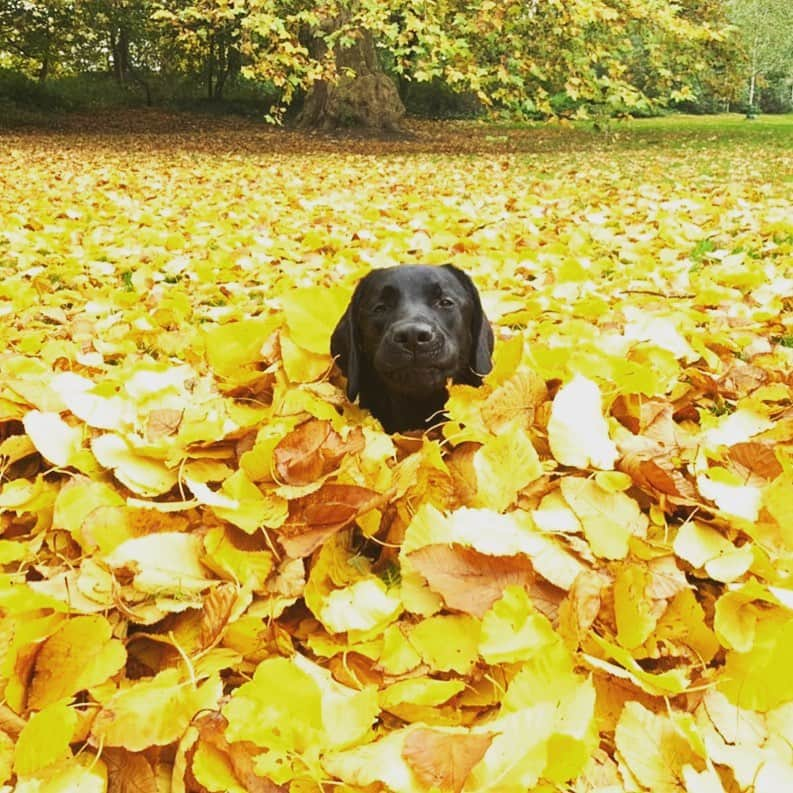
(414, 335)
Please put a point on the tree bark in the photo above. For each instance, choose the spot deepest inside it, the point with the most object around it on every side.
(368, 99)
(119, 51)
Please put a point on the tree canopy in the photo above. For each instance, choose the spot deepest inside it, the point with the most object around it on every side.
(525, 58)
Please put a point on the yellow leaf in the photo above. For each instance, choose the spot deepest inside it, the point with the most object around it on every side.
(609, 519)
(518, 755)
(294, 707)
(447, 643)
(77, 499)
(634, 610)
(79, 655)
(55, 440)
(668, 683)
(704, 547)
(153, 712)
(163, 563)
(45, 739)
(513, 630)
(309, 327)
(234, 348)
(6, 757)
(86, 773)
(364, 606)
(142, 475)
(248, 568)
(742, 501)
(212, 769)
(504, 466)
(652, 748)
(242, 503)
(398, 654)
(301, 365)
(377, 762)
(574, 736)
(760, 678)
(420, 691)
(89, 405)
(577, 431)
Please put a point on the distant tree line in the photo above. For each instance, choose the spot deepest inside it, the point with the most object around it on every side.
(337, 62)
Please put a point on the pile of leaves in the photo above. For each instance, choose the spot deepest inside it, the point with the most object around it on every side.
(219, 575)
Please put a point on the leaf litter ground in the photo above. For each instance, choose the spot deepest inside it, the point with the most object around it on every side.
(220, 576)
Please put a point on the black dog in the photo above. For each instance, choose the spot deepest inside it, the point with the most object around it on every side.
(407, 330)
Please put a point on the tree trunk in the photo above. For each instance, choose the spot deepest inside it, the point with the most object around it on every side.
(123, 52)
(211, 68)
(752, 82)
(115, 60)
(369, 99)
(119, 52)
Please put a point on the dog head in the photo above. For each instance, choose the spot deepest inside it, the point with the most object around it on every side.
(407, 331)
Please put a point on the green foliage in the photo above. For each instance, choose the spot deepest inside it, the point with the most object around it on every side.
(452, 58)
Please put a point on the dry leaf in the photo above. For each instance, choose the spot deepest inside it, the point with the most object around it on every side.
(443, 761)
(467, 580)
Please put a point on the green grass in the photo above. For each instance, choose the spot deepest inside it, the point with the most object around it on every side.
(725, 128)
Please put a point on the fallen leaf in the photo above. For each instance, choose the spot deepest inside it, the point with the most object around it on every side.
(442, 761)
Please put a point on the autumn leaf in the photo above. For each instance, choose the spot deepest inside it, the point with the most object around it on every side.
(128, 772)
(313, 450)
(45, 739)
(153, 712)
(441, 761)
(79, 655)
(577, 431)
(651, 748)
(53, 437)
(321, 514)
(469, 581)
(609, 520)
(305, 710)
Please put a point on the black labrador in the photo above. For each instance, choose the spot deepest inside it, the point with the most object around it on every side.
(407, 331)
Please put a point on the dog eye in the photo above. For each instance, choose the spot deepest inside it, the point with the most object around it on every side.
(445, 302)
(380, 308)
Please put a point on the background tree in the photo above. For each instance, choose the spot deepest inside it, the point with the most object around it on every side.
(767, 28)
(339, 59)
(514, 55)
(208, 32)
(39, 34)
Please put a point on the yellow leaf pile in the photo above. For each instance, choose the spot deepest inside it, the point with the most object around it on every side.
(219, 575)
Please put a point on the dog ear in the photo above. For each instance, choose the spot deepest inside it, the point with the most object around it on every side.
(344, 346)
(481, 332)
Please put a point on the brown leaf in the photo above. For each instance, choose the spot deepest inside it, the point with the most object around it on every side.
(461, 466)
(741, 379)
(313, 450)
(582, 605)
(757, 458)
(10, 723)
(128, 772)
(653, 419)
(443, 761)
(319, 515)
(666, 578)
(467, 580)
(216, 611)
(658, 475)
(162, 423)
